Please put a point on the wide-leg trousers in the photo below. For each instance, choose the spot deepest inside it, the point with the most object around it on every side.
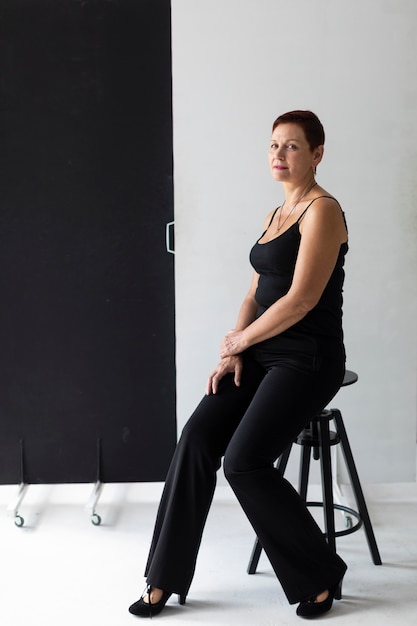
(250, 425)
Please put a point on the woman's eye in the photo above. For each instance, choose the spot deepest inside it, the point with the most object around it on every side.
(274, 146)
(292, 146)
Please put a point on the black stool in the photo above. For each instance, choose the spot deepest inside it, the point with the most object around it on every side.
(319, 438)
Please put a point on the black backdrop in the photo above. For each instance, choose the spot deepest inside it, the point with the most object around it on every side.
(87, 367)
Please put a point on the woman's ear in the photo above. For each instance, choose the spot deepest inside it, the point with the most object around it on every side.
(317, 155)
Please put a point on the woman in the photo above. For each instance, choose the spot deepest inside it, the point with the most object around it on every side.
(281, 365)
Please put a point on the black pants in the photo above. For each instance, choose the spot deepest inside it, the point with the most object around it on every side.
(250, 426)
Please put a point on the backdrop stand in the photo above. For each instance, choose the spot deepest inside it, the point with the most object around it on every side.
(98, 487)
(13, 508)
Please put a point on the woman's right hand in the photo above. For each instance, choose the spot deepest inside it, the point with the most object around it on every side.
(228, 365)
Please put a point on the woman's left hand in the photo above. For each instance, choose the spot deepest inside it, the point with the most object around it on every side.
(232, 344)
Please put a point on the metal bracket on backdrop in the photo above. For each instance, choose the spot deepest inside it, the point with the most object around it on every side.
(169, 237)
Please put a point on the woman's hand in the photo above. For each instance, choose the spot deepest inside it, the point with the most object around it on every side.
(228, 365)
(232, 344)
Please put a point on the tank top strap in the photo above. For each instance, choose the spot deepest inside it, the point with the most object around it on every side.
(309, 205)
(270, 222)
(273, 215)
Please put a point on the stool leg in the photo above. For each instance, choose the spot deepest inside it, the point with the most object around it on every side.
(280, 465)
(357, 489)
(254, 557)
(327, 482)
(282, 462)
(305, 458)
(315, 435)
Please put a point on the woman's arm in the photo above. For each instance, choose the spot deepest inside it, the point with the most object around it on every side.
(232, 364)
(322, 233)
(249, 306)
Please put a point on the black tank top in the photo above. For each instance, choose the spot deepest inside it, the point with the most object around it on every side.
(320, 331)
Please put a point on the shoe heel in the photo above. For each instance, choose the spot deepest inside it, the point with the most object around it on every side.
(338, 591)
(181, 599)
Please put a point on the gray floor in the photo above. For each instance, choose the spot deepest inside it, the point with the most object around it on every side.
(60, 569)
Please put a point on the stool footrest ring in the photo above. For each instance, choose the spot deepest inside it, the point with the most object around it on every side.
(345, 509)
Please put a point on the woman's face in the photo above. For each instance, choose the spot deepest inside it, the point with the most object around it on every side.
(290, 156)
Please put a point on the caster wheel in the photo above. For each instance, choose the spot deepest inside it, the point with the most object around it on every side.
(19, 521)
(96, 519)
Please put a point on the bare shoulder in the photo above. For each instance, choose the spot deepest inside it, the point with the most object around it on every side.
(325, 212)
(325, 201)
(324, 205)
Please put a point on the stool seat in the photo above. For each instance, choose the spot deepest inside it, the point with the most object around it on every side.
(349, 378)
(318, 438)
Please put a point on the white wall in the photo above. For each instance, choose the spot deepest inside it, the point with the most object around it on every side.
(237, 64)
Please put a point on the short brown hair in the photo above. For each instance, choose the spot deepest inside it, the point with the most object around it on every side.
(309, 122)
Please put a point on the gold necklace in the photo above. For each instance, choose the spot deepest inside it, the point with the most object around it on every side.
(293, 209)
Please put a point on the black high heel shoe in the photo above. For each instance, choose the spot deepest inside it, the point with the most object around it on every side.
(147, 609)
(311, 608)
